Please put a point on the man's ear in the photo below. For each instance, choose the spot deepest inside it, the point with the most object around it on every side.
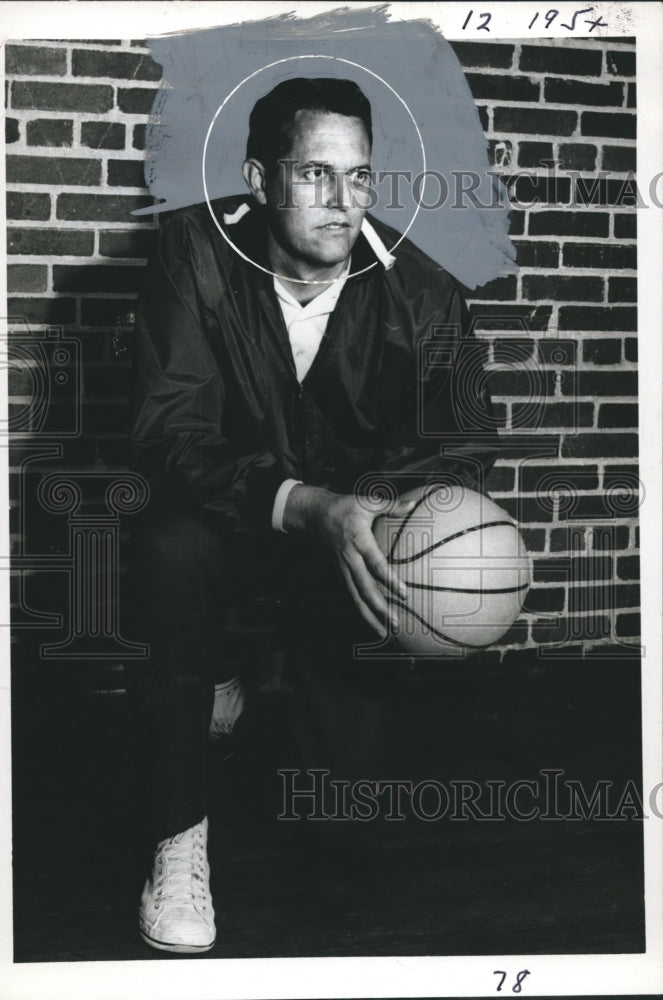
(254, 175)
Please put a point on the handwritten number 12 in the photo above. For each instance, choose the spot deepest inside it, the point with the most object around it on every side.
(481, 27)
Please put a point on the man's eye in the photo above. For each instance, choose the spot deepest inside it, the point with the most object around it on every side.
(362, 177)
(314, 173)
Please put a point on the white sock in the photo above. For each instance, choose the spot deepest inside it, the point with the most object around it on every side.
(228, 706)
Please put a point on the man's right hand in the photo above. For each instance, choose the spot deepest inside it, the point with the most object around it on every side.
(345, 526)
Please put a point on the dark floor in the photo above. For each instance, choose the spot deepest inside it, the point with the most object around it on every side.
(410, 888)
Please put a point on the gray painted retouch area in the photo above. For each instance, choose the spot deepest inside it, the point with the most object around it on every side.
(425, 124)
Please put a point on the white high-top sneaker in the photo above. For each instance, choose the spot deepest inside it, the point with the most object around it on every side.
(176, 912)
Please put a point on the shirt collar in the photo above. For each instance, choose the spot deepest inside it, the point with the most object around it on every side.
(322, 304)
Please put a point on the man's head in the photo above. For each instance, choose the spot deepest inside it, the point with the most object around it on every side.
(308, 163)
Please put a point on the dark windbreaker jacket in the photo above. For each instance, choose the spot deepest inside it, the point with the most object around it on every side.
(395, 395)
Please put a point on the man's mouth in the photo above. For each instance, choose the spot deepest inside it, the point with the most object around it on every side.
(333, 227)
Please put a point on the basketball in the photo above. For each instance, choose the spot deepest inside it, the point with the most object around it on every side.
(465, 567)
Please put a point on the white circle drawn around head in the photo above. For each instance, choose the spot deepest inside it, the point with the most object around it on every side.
(278, 62)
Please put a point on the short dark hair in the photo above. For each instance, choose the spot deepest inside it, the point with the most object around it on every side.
(271, 121)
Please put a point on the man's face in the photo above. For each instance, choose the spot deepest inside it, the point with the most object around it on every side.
(318, 198)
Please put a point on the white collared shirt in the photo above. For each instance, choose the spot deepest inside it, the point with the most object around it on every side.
(306, 325)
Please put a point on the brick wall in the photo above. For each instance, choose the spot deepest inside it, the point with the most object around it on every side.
(560, 337)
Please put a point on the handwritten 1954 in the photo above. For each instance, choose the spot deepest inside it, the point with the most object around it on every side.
(481, 21)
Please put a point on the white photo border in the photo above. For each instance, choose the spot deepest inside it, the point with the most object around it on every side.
(552, 975)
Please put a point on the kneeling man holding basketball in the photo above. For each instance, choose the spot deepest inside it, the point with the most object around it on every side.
(280, 397)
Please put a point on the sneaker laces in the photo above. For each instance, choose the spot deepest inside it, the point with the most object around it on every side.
(181, 871)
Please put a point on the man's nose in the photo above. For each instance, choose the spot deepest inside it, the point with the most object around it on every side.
(338, 193)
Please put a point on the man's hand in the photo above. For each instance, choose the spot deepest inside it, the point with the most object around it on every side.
(344, 525)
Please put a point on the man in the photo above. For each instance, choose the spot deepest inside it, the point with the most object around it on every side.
(278, 370)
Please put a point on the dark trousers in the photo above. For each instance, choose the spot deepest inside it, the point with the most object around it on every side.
(186, 570)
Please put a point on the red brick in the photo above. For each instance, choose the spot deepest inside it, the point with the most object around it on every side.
(628, 567)
(621, 476)
(529, 381)
(588, 599)
(545, 599)
(50, 132)
(567, 415)
(571, 629)
(598, 318)
(619, 125)
(488, 54)
(42, 311)
(102, 278)
(26, 205)
(537, 253)
(580, 92)
(592, 507)
(619, 158)
(562, 288)
(567, 539)
(630, 348)
(587, 223)
(600, 445)
(501, 479)
(127, 65)
(50, 242)
(27, 278)
(526, 511)
(601, 351)
(126, 173)
(608, 255)
(52, 170)
(618, 192)
(577, 156)
(35, 60)
(551, 58)
(12, 131)
(62, 96)
(622, 289)
(516, 222)
(628, 626)
(510, 317)
(503, 87)
(631, 99)
(138, 140)
(621, 62)
(556, 351)
(585, 569)
(539, 121)
(534, 538)
(600, 383)
(626, 225)
(100, 207)
(512, 350)
(549, 478)
(535, 154)
(103, 135)
(618, 415)
(540, 190)
(136, 100)
(607, 537)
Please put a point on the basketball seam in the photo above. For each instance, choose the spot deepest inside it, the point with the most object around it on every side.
(440, 635)
(401, 527)
(443, 541)
(467, 590)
